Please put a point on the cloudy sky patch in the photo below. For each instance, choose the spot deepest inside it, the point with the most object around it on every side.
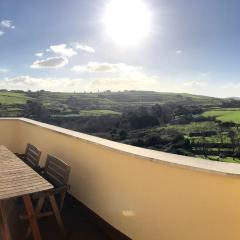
(53, 62)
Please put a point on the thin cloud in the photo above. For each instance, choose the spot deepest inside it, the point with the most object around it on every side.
(231, 86)
(63, 50)
(1, 33)
(132, 81)
(7, 24)
(121, 77)
(3, 70)
(84, 48)
(194, 83)
(53, 62)
(49, 84)
(204, 74)
(39, 54)
(122, 83)
(105, 67)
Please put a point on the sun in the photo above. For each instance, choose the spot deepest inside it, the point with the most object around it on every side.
(127, 22)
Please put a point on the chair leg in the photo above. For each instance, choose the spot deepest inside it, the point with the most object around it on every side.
(57, 215)
(32, 217)
(3, 222)
(62, 200)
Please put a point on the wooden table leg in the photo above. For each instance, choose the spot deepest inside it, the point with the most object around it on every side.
(57, 215)
(3, 222)
(32, 217)
(1, 225)
(37, 212)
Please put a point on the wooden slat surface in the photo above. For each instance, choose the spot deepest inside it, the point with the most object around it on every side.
(17, 178)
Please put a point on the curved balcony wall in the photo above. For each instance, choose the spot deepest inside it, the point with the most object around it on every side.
(143, 193)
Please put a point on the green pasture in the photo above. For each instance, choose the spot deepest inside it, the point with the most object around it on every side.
(10, 98)
(225, 115)
(193, 127)
(98, 112)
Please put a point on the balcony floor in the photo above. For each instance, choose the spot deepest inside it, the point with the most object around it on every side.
(77, 221)
(77, 224)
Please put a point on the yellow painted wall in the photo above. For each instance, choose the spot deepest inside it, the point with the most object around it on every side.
(9, 134)
(144, 199)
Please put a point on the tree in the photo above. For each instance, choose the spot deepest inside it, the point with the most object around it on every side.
(35, 110)
(157, 110)
(232, 135)
(123, 135)
(144, 121)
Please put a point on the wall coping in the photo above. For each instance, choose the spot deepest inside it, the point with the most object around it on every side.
(223, 168)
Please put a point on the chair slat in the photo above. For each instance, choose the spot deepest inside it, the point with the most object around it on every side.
(32, 156)
(56, 174)
(57, 171)
(53, 179)
(61, 171)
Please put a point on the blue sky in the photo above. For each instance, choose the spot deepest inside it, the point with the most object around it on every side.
(175, 46)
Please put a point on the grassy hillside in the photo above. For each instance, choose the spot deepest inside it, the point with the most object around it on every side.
(116, 101)
(98, 104)
(151, 98)
(10, 98)
(106, 100)
(225, 115)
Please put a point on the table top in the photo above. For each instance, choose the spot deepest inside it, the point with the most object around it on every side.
(17, 178)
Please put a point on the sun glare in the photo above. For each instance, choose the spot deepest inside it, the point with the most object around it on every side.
(127, 22)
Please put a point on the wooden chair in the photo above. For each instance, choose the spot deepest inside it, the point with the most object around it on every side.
(57, 173)
(51, 202)
(31, 156)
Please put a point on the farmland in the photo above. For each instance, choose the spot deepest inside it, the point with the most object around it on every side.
(10, 98)
(184, 124)
(225, 115)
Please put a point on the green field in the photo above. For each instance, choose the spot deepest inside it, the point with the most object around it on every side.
(97, 112)
(225, 115)
(10, 98)
(89, 113)
(193, 127)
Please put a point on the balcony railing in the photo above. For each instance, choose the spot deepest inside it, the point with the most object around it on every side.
(145, 194)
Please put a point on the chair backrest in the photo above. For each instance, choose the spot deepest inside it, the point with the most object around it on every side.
(56, 171)
(32, 156)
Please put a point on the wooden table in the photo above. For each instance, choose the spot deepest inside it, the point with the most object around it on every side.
(18, 180)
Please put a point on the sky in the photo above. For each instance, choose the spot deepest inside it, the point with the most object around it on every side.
(96, 45)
